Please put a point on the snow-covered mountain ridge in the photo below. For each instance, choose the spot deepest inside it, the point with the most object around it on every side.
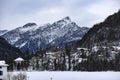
(2, 32)
(33, 37)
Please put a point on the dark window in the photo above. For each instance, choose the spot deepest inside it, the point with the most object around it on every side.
(0, 66)
(1, 72)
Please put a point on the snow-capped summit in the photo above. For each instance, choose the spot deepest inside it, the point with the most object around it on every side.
(29, 25)
(67, 19)
(63, 21)
(33, 37)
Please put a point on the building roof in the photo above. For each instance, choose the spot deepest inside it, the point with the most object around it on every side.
(82, 48)
(2, 63)
(19, 59)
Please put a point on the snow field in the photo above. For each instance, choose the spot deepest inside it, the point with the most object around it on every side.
(73, 75)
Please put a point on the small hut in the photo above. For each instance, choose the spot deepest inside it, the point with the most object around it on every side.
(19, 62)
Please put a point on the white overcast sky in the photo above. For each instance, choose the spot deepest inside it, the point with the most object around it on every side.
(15, 13)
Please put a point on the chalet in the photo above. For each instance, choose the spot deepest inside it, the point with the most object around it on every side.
(19, 63)
(3, 70)
(19, 60)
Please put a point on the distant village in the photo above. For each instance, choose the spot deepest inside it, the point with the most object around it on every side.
(83, 59)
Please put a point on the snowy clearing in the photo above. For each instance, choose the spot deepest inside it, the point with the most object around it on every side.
(73, 75)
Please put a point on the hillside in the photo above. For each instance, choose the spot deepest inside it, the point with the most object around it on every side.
(8, 52)
(105, 33)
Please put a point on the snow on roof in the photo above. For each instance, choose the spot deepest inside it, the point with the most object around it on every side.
(50, 53)
(2, 63)
(19, 59)
(82, 48)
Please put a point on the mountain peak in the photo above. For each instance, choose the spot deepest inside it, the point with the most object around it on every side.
(67, 19)
(29, 25)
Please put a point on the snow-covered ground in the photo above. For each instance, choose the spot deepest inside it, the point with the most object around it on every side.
(73, 75)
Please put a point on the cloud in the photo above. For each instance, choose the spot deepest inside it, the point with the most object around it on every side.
(16, 13)
(102, 9)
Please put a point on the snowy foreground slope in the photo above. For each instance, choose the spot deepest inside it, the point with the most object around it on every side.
(73, 75)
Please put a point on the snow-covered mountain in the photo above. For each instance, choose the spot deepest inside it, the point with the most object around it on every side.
(32, 37)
